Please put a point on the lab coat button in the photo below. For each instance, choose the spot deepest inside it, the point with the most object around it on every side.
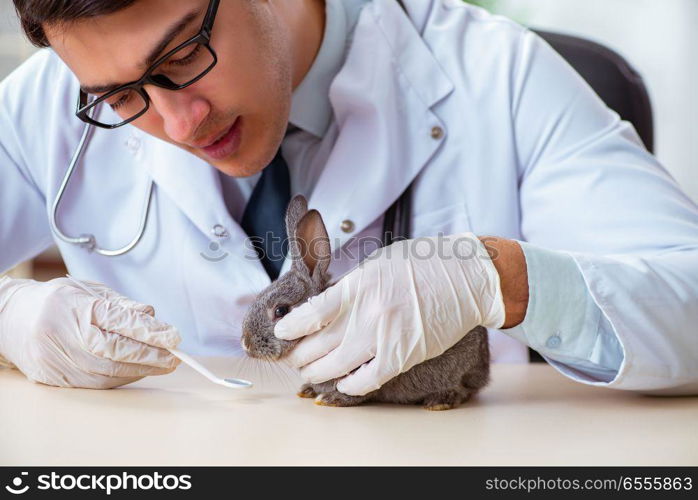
(437, 132)
(553, 342)
(133, 143)
(219, 231)
(347, 226)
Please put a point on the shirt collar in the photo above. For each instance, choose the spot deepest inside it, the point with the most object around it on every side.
(311, 109)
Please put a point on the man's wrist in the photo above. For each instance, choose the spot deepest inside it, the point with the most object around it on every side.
(510, 262)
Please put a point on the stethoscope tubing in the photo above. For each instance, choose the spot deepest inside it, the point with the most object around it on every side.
(89, 241)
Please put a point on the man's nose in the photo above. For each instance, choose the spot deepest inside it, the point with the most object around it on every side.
(182, 112)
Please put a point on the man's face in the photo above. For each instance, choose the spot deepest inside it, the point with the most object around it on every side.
(235, 116)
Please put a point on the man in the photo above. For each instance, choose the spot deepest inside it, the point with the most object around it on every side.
(539, 213)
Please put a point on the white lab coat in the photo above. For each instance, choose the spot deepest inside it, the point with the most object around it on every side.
(528, 152)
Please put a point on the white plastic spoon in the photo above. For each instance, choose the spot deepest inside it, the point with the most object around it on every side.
(233, 383)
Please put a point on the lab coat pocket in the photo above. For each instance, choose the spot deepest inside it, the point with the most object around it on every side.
(445, 220)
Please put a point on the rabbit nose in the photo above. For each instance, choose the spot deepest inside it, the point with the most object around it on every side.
(243, 342)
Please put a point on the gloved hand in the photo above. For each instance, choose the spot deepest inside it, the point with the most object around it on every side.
(58, 334)
(402, 305)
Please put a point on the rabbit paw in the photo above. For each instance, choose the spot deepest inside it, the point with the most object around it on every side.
(446, 400)
(336, 398)
(440, 407)
(306, 391)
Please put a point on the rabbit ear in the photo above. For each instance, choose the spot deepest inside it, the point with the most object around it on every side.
(314, 246)
(297, 208)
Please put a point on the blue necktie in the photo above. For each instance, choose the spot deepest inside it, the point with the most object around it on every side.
(263, 219)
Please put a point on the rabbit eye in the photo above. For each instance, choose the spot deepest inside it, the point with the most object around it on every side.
(280, 311)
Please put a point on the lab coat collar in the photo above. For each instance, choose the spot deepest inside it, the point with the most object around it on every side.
(401, 38)
(385, 127)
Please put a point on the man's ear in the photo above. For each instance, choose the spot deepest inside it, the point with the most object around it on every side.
(313, 245)
(297, 208)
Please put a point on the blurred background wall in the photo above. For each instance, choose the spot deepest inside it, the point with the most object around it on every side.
(658, 37)
(13, 50)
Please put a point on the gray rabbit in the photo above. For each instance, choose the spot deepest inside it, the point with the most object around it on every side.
(440, 383)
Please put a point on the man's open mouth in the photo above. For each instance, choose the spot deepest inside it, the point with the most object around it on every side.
(227, 143)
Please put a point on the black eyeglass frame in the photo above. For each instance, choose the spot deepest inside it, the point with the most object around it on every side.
(203, 37)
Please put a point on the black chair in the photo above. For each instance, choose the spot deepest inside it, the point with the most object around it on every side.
(614, 80)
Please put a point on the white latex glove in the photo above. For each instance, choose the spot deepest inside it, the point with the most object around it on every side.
(404, 304)
(58, 334)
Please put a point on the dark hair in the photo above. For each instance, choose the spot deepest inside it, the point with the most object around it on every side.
(34, 14)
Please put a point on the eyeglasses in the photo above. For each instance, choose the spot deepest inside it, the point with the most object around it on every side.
(184, 65)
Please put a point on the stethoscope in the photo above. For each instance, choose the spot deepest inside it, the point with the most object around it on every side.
(395, 223)
(89, 241)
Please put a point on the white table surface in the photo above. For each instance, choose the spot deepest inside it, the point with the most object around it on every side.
(528, 415)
